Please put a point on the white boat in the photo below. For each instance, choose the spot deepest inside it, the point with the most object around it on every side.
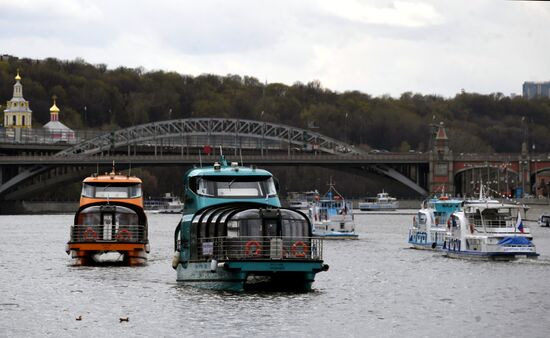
(332, 216)
(168, 204)
(429, 225)
(544, 220)
(382, 201)
(302, 200)
(489, 229)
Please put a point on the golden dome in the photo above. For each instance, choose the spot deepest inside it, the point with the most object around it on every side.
(54, 108)
(17, 77)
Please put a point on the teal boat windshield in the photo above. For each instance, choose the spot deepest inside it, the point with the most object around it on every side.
(236, 186)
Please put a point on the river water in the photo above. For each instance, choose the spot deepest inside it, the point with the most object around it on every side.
(376, 287)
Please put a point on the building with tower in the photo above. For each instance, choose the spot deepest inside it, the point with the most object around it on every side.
(17, 113)
(441, 178)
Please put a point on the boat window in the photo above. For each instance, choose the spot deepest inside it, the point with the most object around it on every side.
(130, 218)
(232, 229)
(236, 186)
(113, 190)
(422, 218)
(251, 227)
(123, 216)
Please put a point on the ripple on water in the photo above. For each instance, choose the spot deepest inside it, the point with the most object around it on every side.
(376, 286)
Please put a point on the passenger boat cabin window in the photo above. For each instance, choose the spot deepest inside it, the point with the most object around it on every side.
(250, 223)
(96, 215)
(235, 186)
(113, 190)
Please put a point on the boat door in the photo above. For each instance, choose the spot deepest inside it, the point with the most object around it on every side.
(108, 222)
(272, 233)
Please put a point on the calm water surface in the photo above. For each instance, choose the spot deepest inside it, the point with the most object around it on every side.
(376, 286)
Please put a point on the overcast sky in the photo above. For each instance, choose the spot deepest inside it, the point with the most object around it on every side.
(378, 47)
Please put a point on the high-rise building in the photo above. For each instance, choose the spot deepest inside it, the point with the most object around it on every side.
(17, 113)
(536, 89)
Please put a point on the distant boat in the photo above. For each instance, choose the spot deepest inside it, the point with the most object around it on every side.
(382, 201)
(429, 225)
(302, 200)
(332, 216)
(168, 204)
(488, 229)
(544, 220)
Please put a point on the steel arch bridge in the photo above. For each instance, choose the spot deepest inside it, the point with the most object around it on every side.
(232, 132)
(195, 133)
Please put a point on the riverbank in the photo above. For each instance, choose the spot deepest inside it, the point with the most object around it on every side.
(37, 207)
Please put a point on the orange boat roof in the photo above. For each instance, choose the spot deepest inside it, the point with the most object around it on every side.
(110, 178)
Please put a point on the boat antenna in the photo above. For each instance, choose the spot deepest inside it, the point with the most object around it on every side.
(221, 150)
(113, 170)
(200, 158)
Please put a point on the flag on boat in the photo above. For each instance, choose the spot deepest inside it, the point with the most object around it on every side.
(519, 223)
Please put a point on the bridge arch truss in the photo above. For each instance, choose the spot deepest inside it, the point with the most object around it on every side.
(232, 133)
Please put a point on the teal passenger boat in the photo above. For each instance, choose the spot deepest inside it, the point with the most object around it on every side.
(235, 236)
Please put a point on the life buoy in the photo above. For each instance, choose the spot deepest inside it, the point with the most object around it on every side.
(299, 249)
(124, 235)
(89, 234)
(472, 228)
(253, 247)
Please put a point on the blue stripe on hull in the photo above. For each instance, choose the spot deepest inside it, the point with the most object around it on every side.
(489, 255)
(426, 246)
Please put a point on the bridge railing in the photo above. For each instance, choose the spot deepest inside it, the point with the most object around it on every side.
(208, 159)
(44, 136)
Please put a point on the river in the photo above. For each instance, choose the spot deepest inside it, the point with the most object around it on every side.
(376, 287)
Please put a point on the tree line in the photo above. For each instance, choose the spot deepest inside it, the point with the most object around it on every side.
(93, 96)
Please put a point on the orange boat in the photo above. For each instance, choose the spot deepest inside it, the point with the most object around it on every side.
(110, 220)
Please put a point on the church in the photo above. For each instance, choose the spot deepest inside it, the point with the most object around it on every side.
(18, 115)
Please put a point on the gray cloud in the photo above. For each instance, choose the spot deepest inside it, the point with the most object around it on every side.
(386, 46)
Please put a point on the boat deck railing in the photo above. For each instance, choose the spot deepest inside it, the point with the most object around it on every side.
(493, 223)
(261, 247)
(108, 233)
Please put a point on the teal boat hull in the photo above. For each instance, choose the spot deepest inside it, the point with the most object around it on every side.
(246, 275)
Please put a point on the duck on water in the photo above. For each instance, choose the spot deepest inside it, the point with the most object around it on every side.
(235, 236)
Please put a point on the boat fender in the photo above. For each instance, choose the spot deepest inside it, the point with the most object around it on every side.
(89, 234)
(472, 228)
(213, 265)
(124, 235)
(253, 247)
(444, 244)
(324, 267)
(434, 244)
(303, 249)
(176, 260)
